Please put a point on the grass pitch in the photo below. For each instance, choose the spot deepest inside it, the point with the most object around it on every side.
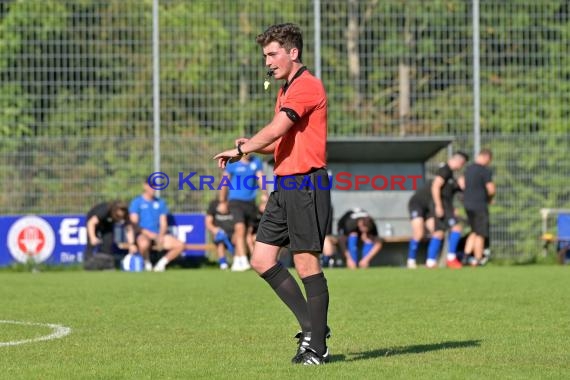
(493, 322)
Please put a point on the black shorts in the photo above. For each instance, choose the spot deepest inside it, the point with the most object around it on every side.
(448, 221)
(479, 221)
(418, 208)
(328, 230)
(243, 211)
(255, 225)
(295, 215)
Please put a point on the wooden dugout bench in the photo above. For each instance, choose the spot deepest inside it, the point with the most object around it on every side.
(394, 251)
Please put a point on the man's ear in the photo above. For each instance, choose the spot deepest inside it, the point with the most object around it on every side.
(294, 54)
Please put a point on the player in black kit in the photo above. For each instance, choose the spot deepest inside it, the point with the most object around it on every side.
(431, 206)
(479, 192)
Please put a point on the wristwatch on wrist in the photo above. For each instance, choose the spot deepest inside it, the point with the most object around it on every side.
(239, 149)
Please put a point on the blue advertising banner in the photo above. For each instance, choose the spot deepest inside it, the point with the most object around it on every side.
(61, 239)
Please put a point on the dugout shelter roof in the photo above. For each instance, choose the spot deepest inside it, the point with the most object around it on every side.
(384, 149)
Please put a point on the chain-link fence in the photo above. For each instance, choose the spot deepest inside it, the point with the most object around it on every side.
(76, 115)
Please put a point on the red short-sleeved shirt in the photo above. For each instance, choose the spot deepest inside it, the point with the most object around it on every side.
(303, 147)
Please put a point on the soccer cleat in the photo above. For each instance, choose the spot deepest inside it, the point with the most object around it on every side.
(454, 264)
(240, 264)
(224, 266)
(245, 265)
(161, 265)
(411, 264)
(304, 340)
(148, 266)
(310, 357)
(236, 265)
(473, 261)
(159, 268)
(431, 264)
(486, 257)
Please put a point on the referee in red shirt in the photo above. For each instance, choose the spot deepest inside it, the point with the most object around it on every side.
(298, 210)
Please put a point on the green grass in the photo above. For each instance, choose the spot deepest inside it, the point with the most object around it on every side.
(493, 322)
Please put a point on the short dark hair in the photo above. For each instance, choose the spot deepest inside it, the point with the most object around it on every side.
(462, 154)
(119, 207)
(288, 35)
(486, 152)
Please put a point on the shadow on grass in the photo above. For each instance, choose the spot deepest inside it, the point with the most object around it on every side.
(405, 350)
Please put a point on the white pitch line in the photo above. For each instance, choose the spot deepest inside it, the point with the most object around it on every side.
(59, 331)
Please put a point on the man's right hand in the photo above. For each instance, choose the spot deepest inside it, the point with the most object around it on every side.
(226, 157)
(350, 264)
(439, 212)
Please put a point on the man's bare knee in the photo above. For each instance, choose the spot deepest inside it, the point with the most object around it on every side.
(239, 229)
(143, 243)
(306, 264)
(264, 257)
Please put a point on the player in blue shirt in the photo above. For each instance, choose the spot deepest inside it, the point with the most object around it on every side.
(245, 179)
(150, 216)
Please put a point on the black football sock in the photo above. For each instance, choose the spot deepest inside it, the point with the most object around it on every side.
(288, 290)
(318, 305)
